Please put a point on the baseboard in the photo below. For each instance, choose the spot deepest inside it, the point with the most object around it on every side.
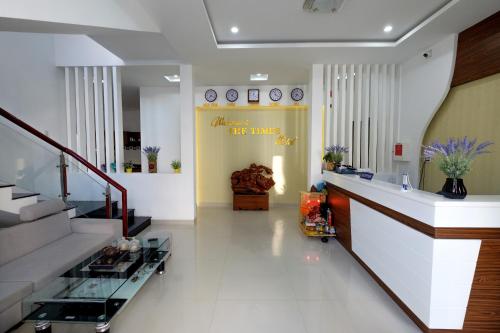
(173, 222)
(229, 205)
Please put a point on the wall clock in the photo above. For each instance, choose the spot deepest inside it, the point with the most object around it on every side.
(253, 95)
(275, 94)
(297, 94)
(210, 95)
(231, 95)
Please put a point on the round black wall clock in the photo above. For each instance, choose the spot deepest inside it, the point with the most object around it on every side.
(232, 95)
(297, 94)
(210, 95)
(275, 94)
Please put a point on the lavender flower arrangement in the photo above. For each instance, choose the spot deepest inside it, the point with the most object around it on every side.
(457, 155)
(151, 153)
(335, 153)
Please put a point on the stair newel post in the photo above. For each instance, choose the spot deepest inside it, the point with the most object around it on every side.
(63, 177)
(124, 213)
(109, 208)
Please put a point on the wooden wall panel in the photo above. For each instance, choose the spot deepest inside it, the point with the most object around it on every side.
(478, 51)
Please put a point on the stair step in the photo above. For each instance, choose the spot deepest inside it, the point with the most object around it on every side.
(6, 185)
(140, 223)
(130, 212)
(94, 209)
(16, 196)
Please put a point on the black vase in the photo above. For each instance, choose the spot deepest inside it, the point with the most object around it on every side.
(454, 188)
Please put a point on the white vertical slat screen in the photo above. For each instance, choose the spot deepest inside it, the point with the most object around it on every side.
(118, 118)
(94, 114)
(365, 107)
(335, 96)
(88, 128)
(108, 116)
(328, 104)
(98, 116)
(78, 110)
(357, 125)
(373, 121)
(342, 122)
(350, 118)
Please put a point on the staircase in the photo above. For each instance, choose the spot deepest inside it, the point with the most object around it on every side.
(12, 199)
(97, 210)
(33, 164)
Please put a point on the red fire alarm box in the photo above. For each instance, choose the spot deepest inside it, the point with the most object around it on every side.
(400, 152)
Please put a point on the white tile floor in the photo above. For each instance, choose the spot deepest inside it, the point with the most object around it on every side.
(255, 272)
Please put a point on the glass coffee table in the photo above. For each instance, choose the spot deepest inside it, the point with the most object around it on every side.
(86, 294)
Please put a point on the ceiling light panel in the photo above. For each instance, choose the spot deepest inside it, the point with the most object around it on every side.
(173, 78)
(259, 77)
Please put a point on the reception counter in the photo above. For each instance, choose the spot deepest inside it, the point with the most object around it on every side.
(439, 259)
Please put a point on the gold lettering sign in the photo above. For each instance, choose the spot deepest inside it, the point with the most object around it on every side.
(236, 129)
(283, 140)
(220, 121)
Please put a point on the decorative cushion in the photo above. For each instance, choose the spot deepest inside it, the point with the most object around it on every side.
(8, 219)
(41, 209)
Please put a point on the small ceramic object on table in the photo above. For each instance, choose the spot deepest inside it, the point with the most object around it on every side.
(134, 245)
(123, 244)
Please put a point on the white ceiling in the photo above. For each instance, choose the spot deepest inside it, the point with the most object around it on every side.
(187, 27)
(186, 34)
(134, 77)
(148, 76)
(285, 21)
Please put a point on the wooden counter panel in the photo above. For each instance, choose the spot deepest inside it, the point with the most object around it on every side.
(483, 309)
(340, 207)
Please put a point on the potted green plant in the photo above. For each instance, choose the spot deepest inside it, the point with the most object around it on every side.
(151, 153)
(128, 166)
(176, 165)
(334, 156)
(455, 160)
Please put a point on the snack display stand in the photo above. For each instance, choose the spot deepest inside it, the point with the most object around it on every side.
(311, 222)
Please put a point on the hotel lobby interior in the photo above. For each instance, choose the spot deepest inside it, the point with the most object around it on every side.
(211, 166)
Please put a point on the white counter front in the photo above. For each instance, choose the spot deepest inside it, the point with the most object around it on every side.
(433, 277)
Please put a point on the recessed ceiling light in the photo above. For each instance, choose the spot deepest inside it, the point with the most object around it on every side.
(235, 29)
(258, 77)
(388, 28)
(173, 78)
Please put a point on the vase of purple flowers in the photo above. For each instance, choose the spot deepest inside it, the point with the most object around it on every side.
(151, 153)
(455, 159)
(334, 156)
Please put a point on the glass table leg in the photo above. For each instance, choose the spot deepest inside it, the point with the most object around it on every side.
(43, 326)
(161, 268)
(103, 328)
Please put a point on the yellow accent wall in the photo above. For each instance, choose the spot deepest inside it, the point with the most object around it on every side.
(219, 153)
(471, 109)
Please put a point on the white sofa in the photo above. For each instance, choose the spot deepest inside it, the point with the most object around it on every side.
(34, 253)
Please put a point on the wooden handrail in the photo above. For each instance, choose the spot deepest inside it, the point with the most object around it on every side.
(77, 157)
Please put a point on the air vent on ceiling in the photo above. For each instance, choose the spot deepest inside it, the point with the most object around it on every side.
(322, 6)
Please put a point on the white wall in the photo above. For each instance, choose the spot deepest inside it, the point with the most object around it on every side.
(315, 153)
(425, 84)
(169, 196)
(31, 87)
(117, 14)
(160, 124)
(81, 50)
